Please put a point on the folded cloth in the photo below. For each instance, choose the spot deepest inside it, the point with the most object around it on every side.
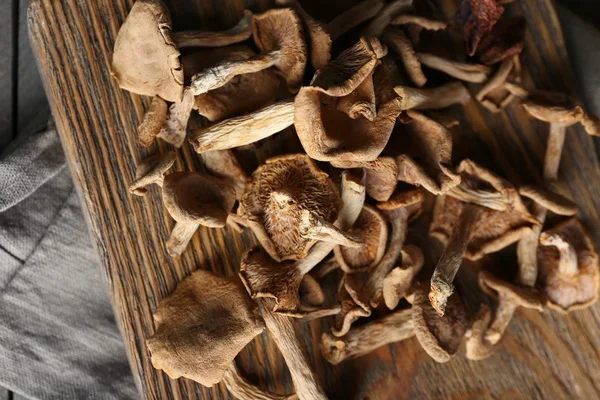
(58, 335)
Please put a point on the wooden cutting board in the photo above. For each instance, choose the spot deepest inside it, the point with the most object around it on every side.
(542, 356)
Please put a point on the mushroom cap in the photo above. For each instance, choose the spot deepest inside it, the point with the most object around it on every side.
(311, 293)
(349, 313)
(399, 280)
(150, 170)
(202, 326)
(330, 134)
(413, 199)
(372, 229)
(494, 230)
(281, 29)
(198, 198)
(477, 347)
(569, 291)
(439, 336)
(425, 148)
(145, 57)
(242, 94)
(276, 196)
(554, 202)
(553, 107)
(523, 296)
(382, 176)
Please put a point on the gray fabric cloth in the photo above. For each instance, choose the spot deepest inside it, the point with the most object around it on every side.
(58, 335)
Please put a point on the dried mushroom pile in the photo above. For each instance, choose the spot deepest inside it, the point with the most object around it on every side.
(377, 159)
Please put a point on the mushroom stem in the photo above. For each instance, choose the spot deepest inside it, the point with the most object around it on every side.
(282, 331)
(502, 316)
(556, 141)
(153, 121)
(383, 18)
(449, 263)
(353, 17)
(240, 32)
(567, 264)
(361, 340)
(180, 237)
(422, 22)
(468, 72)
(516, 89)
(494, 200)
(497, 80)
(242, 389)
(437, 97)
(218, 75)
(325, 268)
(398, 42)
(245, 129)
(312, 226)
(321, 313)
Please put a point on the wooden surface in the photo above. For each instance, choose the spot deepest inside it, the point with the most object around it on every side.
(542, 356)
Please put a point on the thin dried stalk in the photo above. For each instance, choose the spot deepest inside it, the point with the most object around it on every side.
(497, 80)
(153, 121)
(240, 32)
(437, 97)
(423, 22)
(242, 389)
(398, 42)
(468, 72)
(382, 19)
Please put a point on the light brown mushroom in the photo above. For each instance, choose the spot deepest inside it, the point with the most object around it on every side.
(153, 121)
(399, 43)
(467, 72)
(482, 215)
(569, 273)
(364, 339)
(425, 148)
(174, 128)
(493, 95)
(245, 129)
(432, 98)
(509, 297)
(551, 201)
(422, 22)
(439, 336)
(279, 194)
(400, 279)
(323, 117)
(198, 38)
(224, 165)
(242, 389)
(376, 26)
(195, 199)
(477, 347)
(145, 57)
(265, 278)
(279, 36)
(382, 175)
(371, 229)
(151, 171)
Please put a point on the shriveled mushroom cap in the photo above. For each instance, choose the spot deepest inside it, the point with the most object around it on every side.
(372, 229)
(145, 58)
(439, 336)
(276, 196)
(198, 198)
(311, 294)
(202, 326)
(553, 107)
(413, 199)
(382, 175)
(568, 267)
(523, 296)
(552, 201)
(151, 170)
(242, 94)
(399, 280)
(496, 228)
(477, 347)
(281, 29)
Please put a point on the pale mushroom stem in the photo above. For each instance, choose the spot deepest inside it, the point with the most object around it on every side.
(366, 338)
(448, 265)
(321, 313)
(282, 331)
(432, 98)
(245, 129)
(240, 32)
(502, 316)
(314, 227)
(218, 75)
(180, 237)
(556, 141)
(494, 200)
(468, 72)
(242, 389)
(398, 42)
(567, 264)
(374, 285)
(353, 17)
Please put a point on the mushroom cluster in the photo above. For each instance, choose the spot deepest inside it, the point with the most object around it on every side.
(340, 219)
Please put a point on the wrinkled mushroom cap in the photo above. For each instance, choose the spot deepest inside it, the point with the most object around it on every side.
(569, 291)
(281, 29)
(523, 296)
(412, 199)
(193, 197)
(151, 170)
(399, 280)
(276, 196)
(439, 336)
(372, 229)
(554, 202)
(202, 326)
(553, 107)
(311, 293)
(494, 229)
(242, 94)
(145, 58)
(382, 176)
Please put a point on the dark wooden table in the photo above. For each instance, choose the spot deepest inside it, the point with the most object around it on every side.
(542, 356)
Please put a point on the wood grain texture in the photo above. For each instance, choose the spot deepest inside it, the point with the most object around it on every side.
(543, 355)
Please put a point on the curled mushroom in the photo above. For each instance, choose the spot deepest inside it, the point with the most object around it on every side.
(432, 98)
(400, 279)
(195, 199)
(468, 72)
(364, 339)
(569, 273)
(238, 33)
(494, 95)
(382, 175)
(549, 200)
(398, 42)
(152, 170)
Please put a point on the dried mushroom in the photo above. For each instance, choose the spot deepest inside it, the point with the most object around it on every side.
(174, 128)
(224, 165)
(494, 95)
(152, 170)
(505, 40)
(382, 175)
(467, 72)
(478, 18)
(398, 281)
(568, 267)
(153, 121)
(382, 19)
(399, 43)
(195, 199)
(432, 98)
(549, 200)
(238, 33)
